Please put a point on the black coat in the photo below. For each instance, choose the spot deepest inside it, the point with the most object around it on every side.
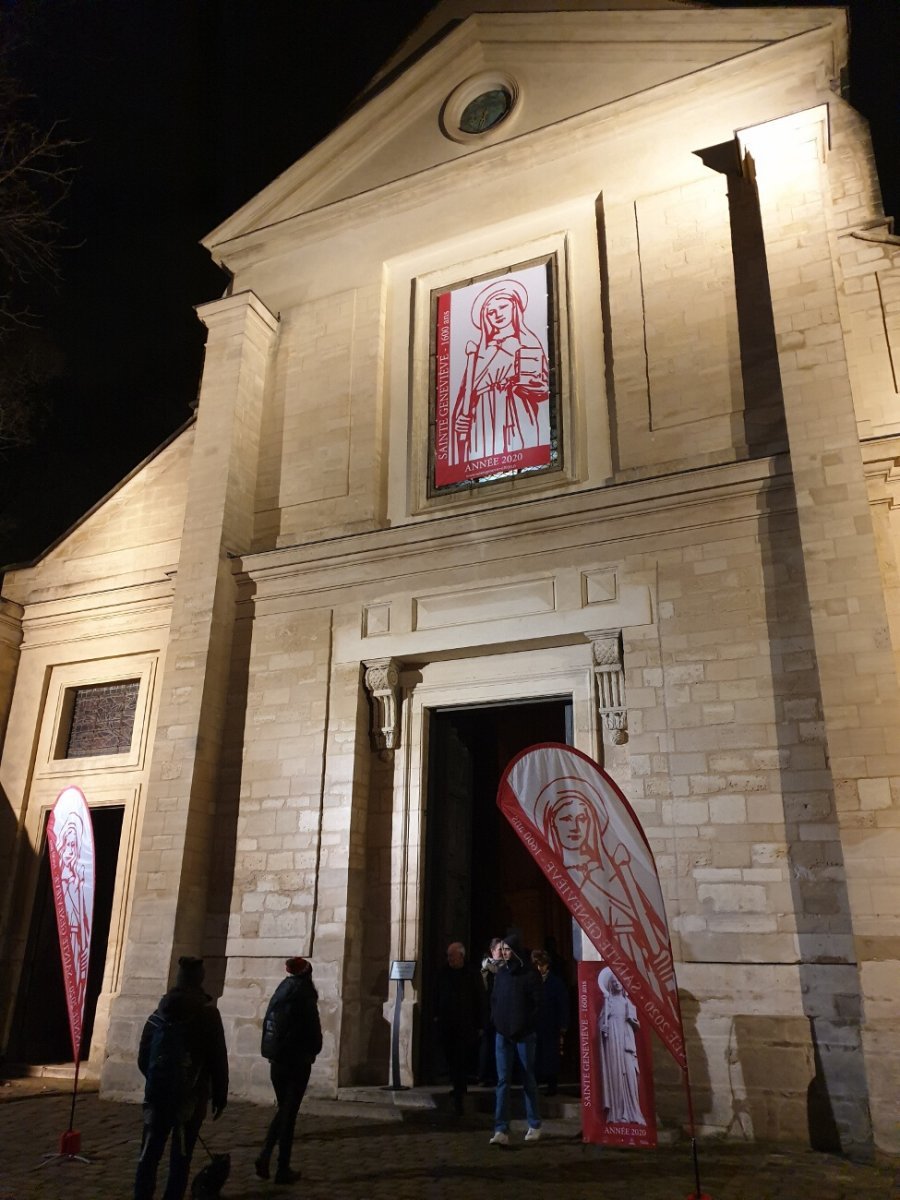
(515, 999)
(553, 1019)
(459, 1000)
(204, 1036)
(302, 1040)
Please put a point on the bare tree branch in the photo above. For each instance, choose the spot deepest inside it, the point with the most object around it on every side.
(36, 174)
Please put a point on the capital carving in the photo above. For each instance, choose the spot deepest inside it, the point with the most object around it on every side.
(382, 680)
(609, 677)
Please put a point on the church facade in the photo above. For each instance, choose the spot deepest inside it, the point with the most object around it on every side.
(554, 398)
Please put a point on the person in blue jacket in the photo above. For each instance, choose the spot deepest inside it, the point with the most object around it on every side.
(515, 1002)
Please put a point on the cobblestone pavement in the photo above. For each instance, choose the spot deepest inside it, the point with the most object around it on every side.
(352, 1151)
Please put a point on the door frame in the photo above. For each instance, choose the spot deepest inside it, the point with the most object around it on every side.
(539, 674)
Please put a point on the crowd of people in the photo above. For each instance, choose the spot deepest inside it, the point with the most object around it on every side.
(516, 1015)
(511, 1016)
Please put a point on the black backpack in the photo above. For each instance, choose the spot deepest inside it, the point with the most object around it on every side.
(278, 1030)
(171, 1071)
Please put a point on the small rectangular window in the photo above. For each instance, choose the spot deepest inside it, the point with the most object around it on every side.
(102, 720)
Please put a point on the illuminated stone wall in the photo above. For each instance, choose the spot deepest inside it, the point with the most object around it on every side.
(299, 599)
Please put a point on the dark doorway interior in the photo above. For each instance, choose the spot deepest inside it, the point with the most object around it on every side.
(41, 1025)
(480, 879)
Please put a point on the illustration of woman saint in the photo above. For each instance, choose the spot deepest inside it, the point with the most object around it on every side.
(68, 849)
(619, 1063)
(575, 821)
(502, 403)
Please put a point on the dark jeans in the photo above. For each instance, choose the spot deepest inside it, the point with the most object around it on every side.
(289, 1082)
(158, 1128)
(487, 1065)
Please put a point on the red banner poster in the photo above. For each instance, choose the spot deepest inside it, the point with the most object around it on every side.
(70, 842)
(617, 1107)
(492, 394)
(583, 834)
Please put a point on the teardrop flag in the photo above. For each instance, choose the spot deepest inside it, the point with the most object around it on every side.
(585, 837)
(70, 842)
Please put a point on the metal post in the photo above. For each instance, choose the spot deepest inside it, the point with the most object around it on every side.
(396, 1086)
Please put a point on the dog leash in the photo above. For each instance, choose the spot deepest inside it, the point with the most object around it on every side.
(205, 1147)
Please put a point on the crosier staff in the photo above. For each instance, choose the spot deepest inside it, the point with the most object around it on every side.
(468, 391)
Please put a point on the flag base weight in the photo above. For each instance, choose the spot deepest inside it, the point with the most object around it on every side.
(70, 1143)
(69, 1149)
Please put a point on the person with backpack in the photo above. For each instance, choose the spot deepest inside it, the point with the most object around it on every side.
(184, 1061)
(291, 1040)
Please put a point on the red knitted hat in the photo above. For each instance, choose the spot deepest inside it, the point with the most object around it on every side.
(297, 966)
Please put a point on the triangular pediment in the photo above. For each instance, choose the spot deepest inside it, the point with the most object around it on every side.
(133, 531)
(558, 65)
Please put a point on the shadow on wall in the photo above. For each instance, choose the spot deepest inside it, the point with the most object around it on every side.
(762, 427)
(11, 870)
(668, 1081)
(228, 795)
(823, 1052)
(23, 921)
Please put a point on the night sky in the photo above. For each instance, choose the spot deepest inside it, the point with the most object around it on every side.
(183, 110)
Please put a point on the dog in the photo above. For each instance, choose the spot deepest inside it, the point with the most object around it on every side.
(207, 1184)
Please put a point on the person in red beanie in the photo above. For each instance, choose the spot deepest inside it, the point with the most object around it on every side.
(291, 1040)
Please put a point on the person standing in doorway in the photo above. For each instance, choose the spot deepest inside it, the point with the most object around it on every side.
(553, 1021)
(184, 1060)
(291, 1041)
(459, 1017)
(515, 1003)
(490, 965)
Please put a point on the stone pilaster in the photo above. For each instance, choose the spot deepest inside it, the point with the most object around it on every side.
(170, 894)
(10, 641)
(859, 687)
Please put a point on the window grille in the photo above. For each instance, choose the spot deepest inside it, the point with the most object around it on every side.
(102, 719)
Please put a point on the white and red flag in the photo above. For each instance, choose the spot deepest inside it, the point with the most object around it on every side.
(70, 841)
(583, 834)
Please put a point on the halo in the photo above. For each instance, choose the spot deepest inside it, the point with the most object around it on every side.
(603, 980)
(73, 820)
(570, 787)
(498, 287)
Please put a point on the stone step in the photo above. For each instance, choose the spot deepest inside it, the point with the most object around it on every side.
(87, 1075)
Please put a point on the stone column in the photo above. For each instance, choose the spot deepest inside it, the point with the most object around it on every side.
(168, 908)
(859, 687)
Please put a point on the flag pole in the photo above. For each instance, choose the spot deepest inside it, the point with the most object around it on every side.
(698, 1193)
(74, 1094)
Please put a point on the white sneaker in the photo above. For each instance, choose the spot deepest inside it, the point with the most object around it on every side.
(499, 1139)
(533, 1135)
